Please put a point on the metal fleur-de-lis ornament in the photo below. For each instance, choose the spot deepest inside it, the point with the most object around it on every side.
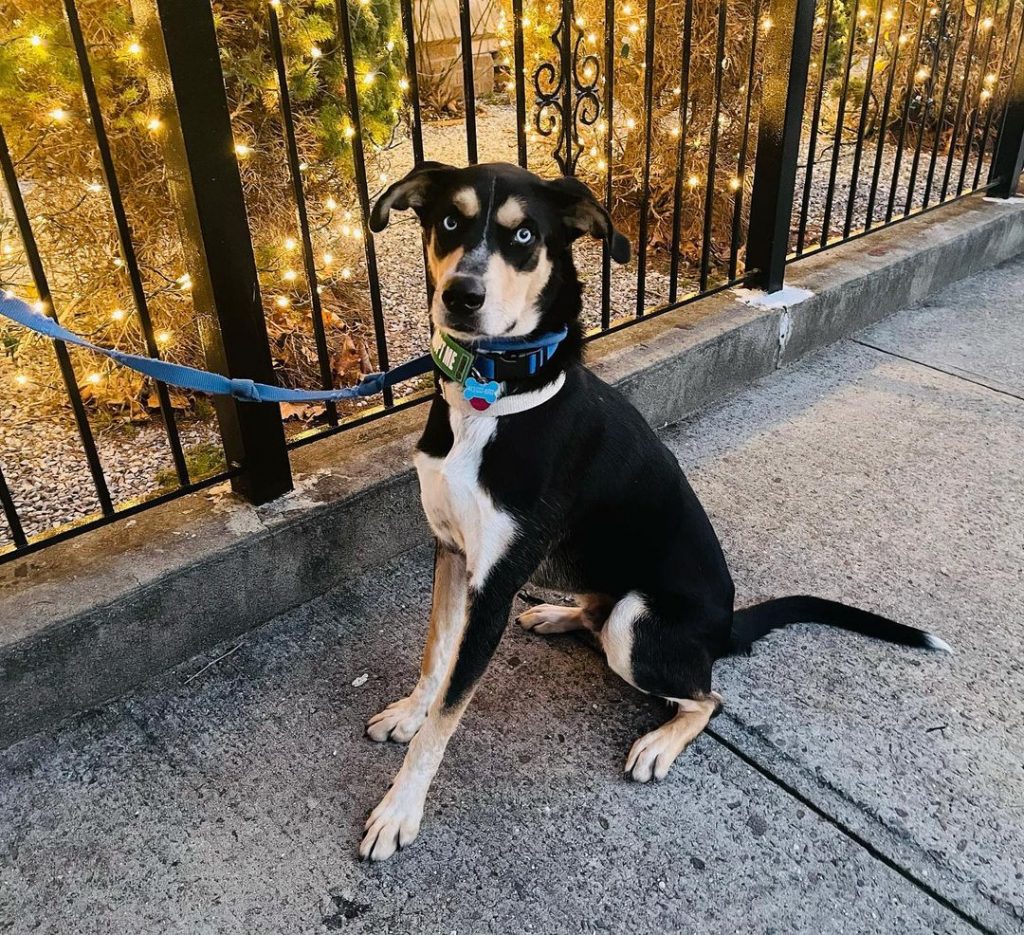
(567, 93)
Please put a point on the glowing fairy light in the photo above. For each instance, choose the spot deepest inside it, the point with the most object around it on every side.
(40, 306)
(282, 301)
(403, 84)
(242, 150)
(20, 379)
(59, 114)
(163, 337)
(290, 243)
(290, 275)
(315, 52)
(154, 124)
(331, 205)
(35, 40)
(630, 123)
(369, 78)
(118, 314)
(734, 183)
(328, 259)
(693, 181)
(94, 187)
(922, 74)
(986, 23)
(134, 49)
(346, 273)
(349, 132)
(766, 24)
(95, 378)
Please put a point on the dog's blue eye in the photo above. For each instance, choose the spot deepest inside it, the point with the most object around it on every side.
(523, 236)
(450, 222)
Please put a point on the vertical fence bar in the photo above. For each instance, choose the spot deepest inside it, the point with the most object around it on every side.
(883, 122)
(67, 370)
(926, 102)
(641, 247)
(519, 77)
(412, 70)
(992, 108)
(972, 126)
(124, 236)
(812, 143)
(11, 513)
(943, 101)
(468, 81)
(295, 174)
(568, 22)
(413, 77)
(964, 85)
(609, 120)
(359, 164)
(741, 160)
(908, 94)
(677, 192)
(783, 89)
(837, 142)
(865, 99)
(206, 185)
(709, 188)
(1008, 158)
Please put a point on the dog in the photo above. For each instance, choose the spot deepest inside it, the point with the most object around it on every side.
(531, 469)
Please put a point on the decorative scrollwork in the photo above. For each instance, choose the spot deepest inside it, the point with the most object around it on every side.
(567, 95)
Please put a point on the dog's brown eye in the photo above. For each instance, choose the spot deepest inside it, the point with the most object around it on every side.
(450, 222)
(523, 236)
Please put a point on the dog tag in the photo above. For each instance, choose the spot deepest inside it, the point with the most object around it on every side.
(481, 396)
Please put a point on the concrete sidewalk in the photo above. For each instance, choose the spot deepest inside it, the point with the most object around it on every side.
(847, 787)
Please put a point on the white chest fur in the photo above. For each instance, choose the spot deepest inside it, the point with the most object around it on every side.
(461, 513)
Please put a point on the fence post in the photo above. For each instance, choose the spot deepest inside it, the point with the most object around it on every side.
(1008, 158)
(784, 85)
(188, 89)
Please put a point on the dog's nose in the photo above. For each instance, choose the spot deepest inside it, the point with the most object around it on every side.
(463, 295)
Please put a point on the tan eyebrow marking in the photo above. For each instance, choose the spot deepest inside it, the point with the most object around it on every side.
(466, 200)
(512, 213)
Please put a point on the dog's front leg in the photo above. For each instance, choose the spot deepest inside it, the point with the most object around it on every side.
(395, 822)
(401, 719)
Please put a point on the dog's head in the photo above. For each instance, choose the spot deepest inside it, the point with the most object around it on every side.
(498, 244)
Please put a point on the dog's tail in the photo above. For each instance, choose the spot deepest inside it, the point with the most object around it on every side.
(751, 623)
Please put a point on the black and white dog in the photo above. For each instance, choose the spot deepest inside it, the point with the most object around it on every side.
(532, 469)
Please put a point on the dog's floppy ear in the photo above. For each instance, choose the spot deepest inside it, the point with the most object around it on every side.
(409, 192)
(584, 214)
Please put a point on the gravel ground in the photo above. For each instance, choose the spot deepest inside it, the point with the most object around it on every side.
(42, 458)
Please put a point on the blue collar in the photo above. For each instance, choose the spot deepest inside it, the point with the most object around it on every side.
(494, 359)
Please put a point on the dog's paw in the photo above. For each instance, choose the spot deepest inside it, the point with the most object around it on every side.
(392, 825)
(399, 721)
(551, 618)
(652, 756)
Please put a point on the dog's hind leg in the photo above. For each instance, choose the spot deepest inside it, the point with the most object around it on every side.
(547, 619)
(657, 654)
(652, 755)
(400, 720)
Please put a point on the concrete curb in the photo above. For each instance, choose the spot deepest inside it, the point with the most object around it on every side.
(89, 619)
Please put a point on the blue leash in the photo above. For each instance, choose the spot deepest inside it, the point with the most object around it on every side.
(202, 381)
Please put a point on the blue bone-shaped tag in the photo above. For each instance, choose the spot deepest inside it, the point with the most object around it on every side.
(481, 395)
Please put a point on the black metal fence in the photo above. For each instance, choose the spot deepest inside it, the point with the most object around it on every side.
(728, 137)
